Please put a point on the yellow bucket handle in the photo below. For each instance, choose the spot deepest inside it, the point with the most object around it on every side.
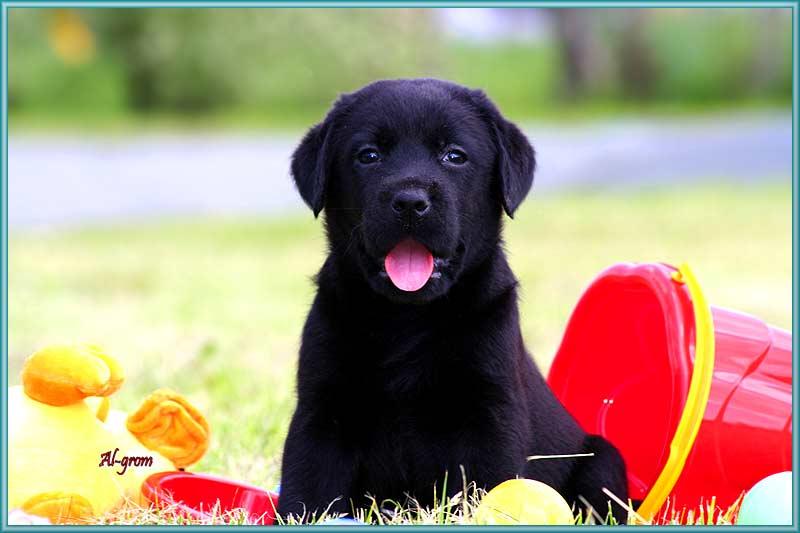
(696, 400)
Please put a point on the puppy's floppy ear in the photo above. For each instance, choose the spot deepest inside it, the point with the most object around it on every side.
(516, 164)
(310, 165)
(516, 159)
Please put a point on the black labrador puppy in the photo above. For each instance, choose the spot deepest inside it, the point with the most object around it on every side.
(412, 365)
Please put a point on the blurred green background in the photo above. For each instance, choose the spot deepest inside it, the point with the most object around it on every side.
(663, 135)
(279, 67)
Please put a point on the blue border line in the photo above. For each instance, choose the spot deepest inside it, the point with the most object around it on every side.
(360, 4)
(795, 276)
(4, 263)
(401, 3)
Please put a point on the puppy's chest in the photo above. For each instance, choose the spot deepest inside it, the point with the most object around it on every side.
(409, 384)
(410, 421)
(406, 366)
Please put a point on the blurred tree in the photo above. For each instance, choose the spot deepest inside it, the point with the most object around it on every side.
(584, 54)
(637, 71)
(291, 63)
(575, 41)
(57, 64)
(702, 54)
(71, 37)
(669, 54)
(769, 67)
(195, 59)
(123, 32)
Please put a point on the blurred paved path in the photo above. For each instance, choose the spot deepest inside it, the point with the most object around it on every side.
(60, 180)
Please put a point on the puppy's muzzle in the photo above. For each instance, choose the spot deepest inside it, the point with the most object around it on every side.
(411, 204)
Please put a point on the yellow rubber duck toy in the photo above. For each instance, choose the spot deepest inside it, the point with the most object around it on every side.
(70, 457)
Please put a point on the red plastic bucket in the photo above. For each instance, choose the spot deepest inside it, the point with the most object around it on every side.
(697, 399)
(201, 497)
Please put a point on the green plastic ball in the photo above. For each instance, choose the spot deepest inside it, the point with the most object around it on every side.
(769, 502)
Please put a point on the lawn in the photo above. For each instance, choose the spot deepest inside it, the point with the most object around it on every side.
(214, 308)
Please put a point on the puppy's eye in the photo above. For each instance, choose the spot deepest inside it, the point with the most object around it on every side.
(367, 156)
(455, 157)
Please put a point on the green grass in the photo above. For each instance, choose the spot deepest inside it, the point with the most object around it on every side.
(463, 508)
(214, 308)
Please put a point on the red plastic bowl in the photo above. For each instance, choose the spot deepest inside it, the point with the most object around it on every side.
(200, 496)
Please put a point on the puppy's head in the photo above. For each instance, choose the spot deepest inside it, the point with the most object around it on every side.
(413, 176)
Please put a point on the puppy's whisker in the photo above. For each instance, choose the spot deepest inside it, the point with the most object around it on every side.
(590, 511)
(352, 236)
(559, 456)
(465, 216)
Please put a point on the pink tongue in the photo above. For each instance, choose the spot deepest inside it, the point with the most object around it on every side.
(409, 265)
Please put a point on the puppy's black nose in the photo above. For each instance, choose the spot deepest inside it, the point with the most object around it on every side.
(411, 202)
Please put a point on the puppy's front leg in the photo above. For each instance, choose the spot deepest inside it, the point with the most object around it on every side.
(606, 469)
(317, 472)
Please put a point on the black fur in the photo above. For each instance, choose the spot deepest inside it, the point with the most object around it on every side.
(396, 388)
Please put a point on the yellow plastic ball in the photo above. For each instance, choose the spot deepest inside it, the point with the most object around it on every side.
(523, 501)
